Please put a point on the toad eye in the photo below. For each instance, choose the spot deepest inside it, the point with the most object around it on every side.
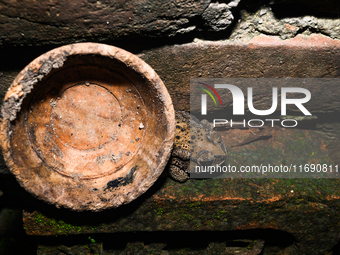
(209, 162)
(205, 158)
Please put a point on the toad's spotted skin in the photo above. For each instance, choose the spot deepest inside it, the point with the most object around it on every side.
(197, 140)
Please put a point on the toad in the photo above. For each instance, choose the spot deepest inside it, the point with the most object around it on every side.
(196, 140)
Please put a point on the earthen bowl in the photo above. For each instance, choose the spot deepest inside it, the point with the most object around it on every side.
(87, 126)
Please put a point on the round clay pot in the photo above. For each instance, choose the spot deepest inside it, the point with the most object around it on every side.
(87, 126)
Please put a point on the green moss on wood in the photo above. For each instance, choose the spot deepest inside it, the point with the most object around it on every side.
(61, 227)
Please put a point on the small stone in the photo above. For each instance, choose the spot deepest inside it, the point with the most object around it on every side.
(263, 12)
(141, 126)
(53, 103)
(233, 3)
